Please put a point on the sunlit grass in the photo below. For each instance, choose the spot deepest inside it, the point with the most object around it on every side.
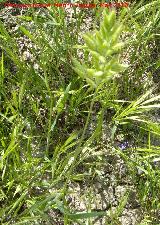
(46, 113)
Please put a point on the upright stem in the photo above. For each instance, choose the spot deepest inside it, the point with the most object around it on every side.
(78, 150)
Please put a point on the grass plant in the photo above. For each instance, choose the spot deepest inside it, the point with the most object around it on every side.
(49, 100)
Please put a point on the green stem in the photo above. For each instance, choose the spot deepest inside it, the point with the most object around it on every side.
(80, 143)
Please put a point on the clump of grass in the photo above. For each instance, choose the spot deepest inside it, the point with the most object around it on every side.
(45, 115)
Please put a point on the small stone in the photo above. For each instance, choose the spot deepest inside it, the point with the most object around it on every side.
(26, 55)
